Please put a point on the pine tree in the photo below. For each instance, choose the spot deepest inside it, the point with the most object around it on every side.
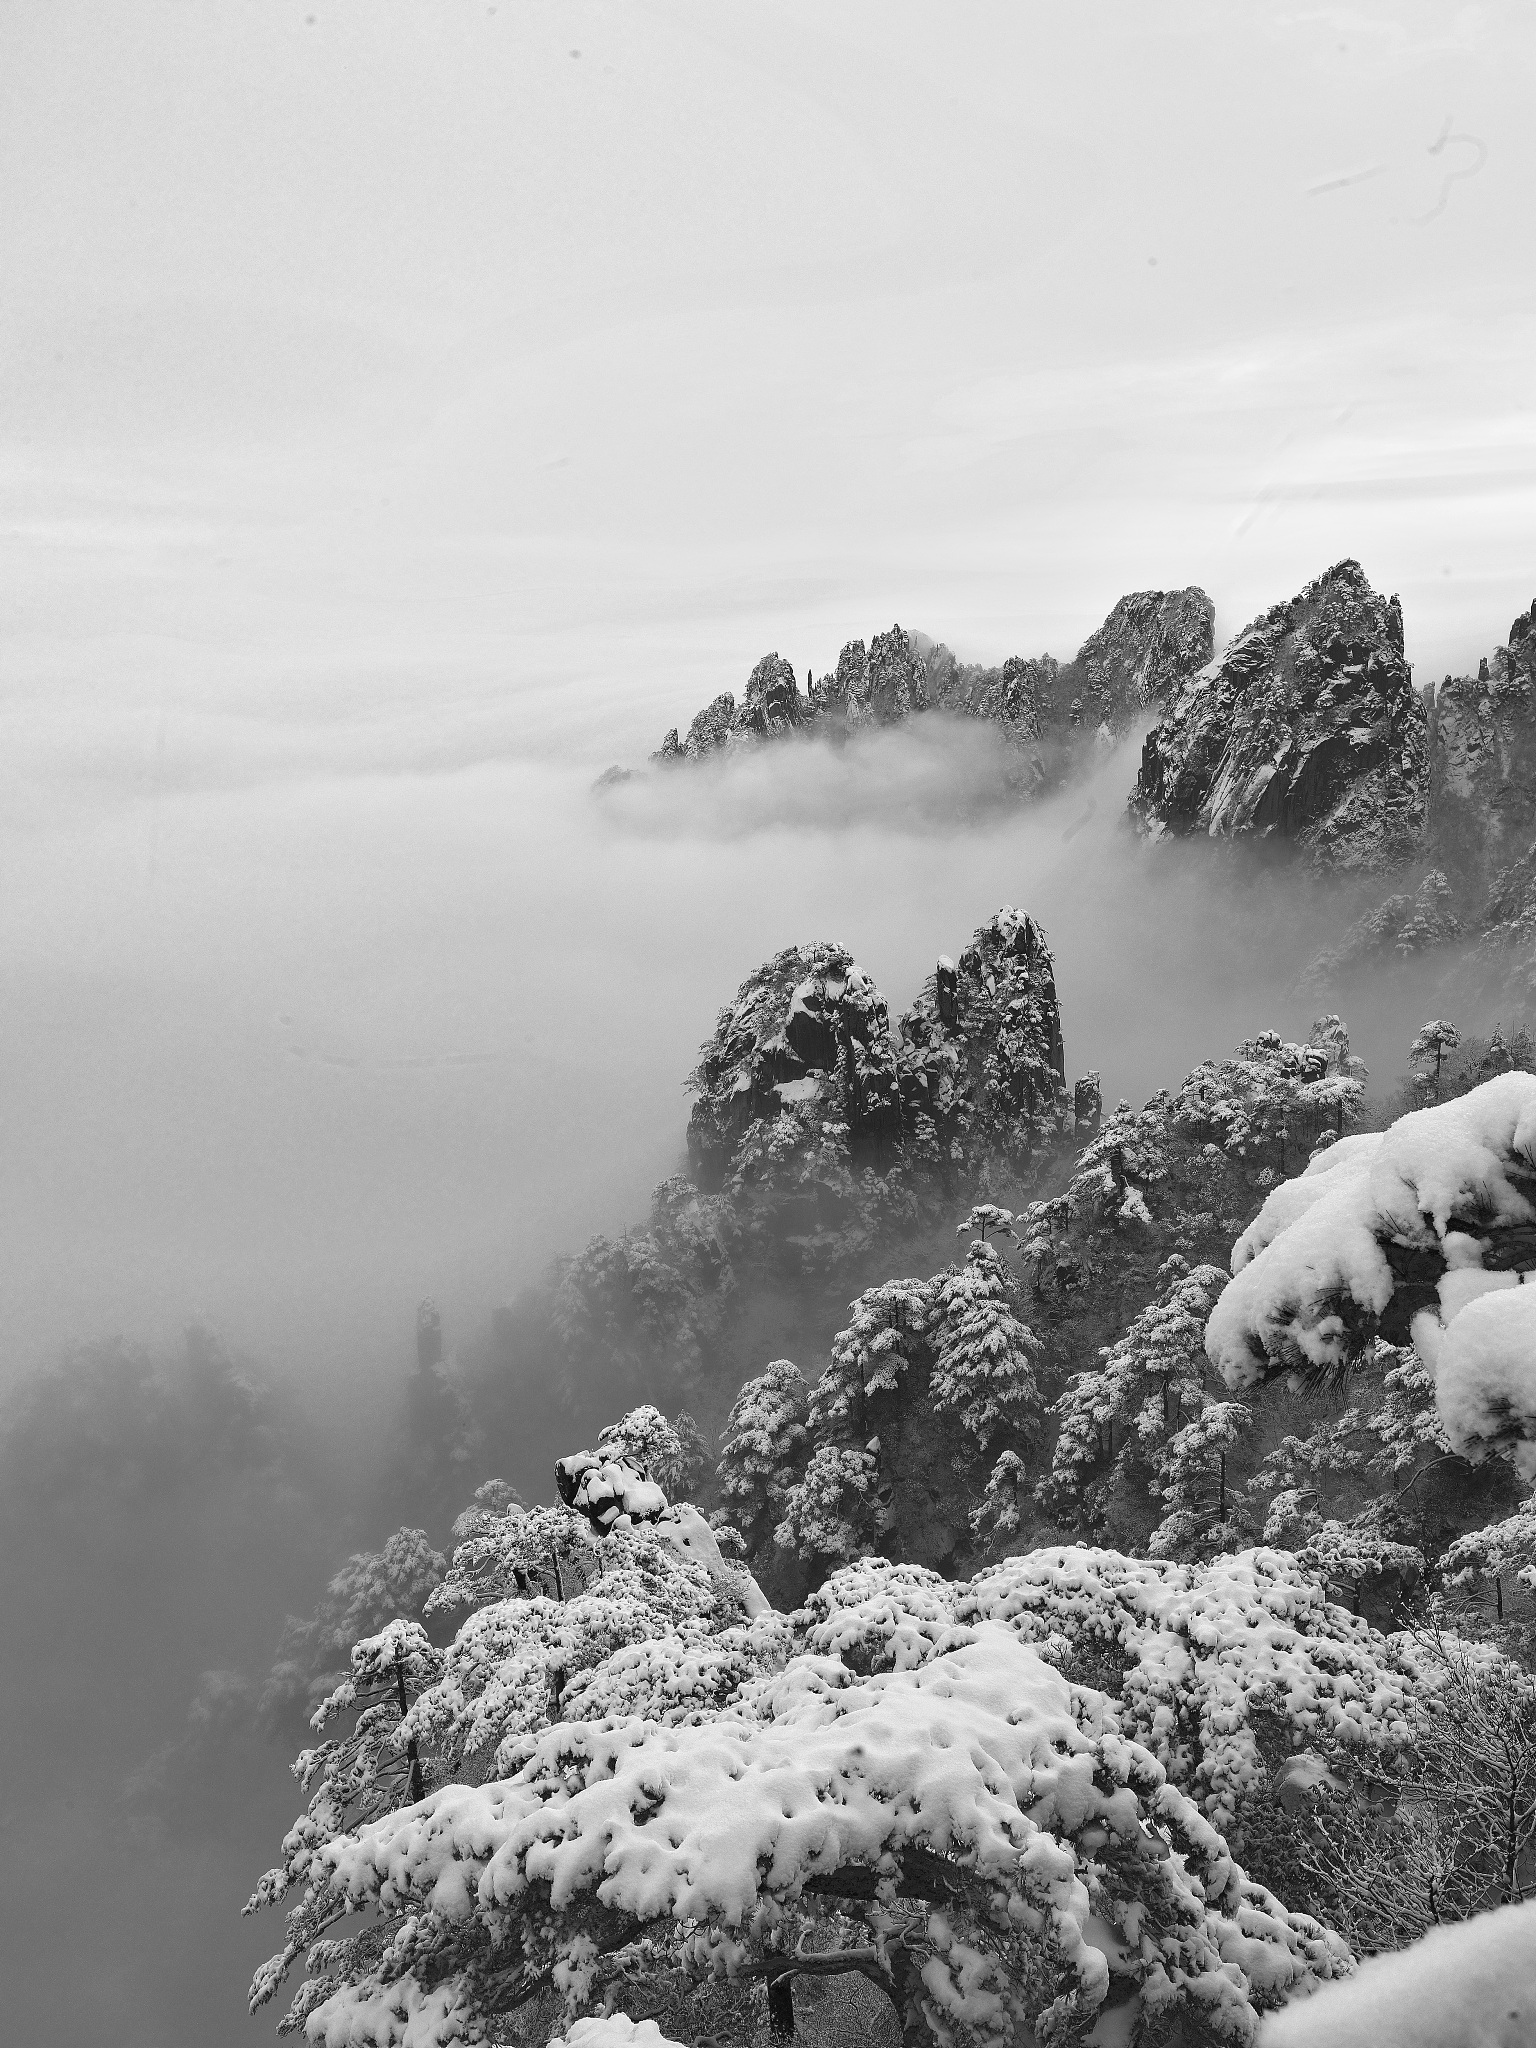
(1426, 1055)
(649, 1442)
(765, 1447)
(931, 1806)
(371, 1589)
(885, 1337)
(999, 1514)
(1117, 1421)
(984, 1357)
(984, 1217)
(1202, 1509)
(1501, 1550)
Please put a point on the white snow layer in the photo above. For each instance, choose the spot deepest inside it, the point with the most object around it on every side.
(1316, 1247)
(614, 2030)
(979, 1755)
(1484, 1363)
(1472, 1985)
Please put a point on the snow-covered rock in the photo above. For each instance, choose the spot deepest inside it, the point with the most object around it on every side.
(980, 1058)
(1481, 822)
(1306, 729)
(1051, 711)
(1483, 753)
(975, 1068)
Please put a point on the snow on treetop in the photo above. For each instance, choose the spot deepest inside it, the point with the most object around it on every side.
(1208, 1649)
(614, 2030)
(1313, 1272)
(607, 1489)
(1287, 1203)
(876, 1616)
(976, 1758)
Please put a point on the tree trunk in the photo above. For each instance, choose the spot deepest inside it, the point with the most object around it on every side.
(781, 2005)
(412, 1753)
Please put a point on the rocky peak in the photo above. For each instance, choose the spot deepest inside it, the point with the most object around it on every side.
(771, 703)
(1149, 643)
(1480, 833)
(1482, 741)
(843, 696)
(808, 1030)
(974, 1071)
(1306, 730)
(898, 683)
(980, 1051)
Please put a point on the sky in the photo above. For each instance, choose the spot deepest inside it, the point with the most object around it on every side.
(409, 409)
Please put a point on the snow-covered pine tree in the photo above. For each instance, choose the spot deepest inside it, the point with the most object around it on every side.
(564, 1623)
(1203, 1511)
(521, 1553)
(984, 1358)
(1426, 1055)
(649, 1442)
(1117, 1421)
(372, 1770)
(764, 1448)
(928, 1376)
(836, 1508)
(1505, 1549)
(494, 1500)
(984, 1217)
(999, 1514)
(1346, 1495)
(370, 1590)
(885, 1336)
(986, 1894)
(697, 1459)
(1427, 1224)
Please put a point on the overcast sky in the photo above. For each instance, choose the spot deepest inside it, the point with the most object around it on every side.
(396, 396)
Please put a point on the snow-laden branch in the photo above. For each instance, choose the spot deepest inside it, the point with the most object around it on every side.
(972, 1776)
(1435, 1217)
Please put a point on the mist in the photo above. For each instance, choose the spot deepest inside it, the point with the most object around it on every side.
(326, 1047)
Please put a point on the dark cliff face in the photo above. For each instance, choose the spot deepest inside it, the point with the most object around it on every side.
(1482, 738)
(1306, 730)
(980, 1051)
(1479, 836)
(807, 1038)
(804, 1059)
(1148, 644)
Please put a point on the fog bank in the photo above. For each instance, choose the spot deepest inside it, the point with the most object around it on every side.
(286, 1059)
